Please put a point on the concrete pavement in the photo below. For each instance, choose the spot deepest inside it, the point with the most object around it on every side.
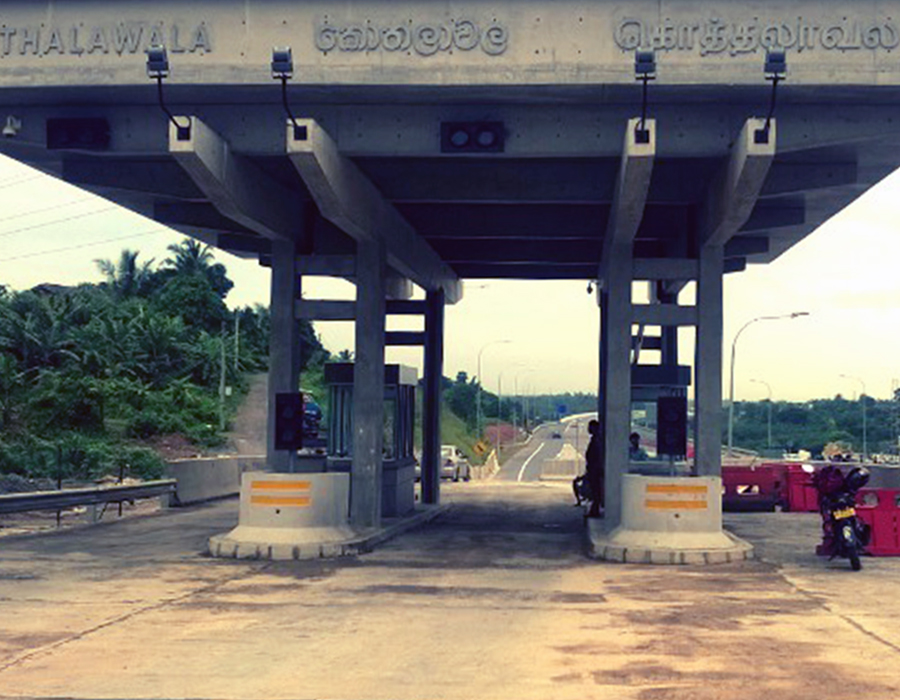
(495, 599)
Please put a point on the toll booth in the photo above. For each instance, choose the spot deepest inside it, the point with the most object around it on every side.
(398, 481)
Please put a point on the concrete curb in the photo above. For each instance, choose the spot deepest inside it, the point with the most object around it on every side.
(599, 547)
(225, 547)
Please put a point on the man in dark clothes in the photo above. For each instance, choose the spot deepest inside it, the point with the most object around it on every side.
(594, 468)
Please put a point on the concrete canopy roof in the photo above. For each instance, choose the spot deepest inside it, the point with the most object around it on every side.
(537, 210)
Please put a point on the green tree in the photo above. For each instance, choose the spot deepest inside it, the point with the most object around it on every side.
(126, 278)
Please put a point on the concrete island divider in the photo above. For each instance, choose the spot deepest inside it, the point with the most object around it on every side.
(668, 520)
(209, 478)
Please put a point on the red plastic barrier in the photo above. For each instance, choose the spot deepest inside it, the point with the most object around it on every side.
(757, 487)
(880, 509)
(800, 494)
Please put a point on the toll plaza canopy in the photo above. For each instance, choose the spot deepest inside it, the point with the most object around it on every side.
(431, 142)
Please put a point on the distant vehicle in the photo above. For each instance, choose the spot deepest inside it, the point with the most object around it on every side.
(555, 436)
(454, 464)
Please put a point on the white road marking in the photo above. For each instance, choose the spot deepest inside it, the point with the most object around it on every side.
(530, 457)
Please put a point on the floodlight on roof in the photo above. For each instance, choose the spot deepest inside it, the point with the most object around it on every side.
(282, 63)
(775, 70)
(158, 69)
(157, 62)
(645, 71)
(283, 70)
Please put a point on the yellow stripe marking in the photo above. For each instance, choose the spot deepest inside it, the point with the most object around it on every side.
(301, 501)
(674, 488)
(676, 505)
(281, 485)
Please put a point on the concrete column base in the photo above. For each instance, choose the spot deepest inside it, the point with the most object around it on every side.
(301, 516)
(668, 520)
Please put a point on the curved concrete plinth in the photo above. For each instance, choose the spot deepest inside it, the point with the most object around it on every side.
(285, 544)
(673, 548)
(668, 520)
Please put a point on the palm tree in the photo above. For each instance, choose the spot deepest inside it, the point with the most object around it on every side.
(190, 257)
(126, 278)
(194, 258)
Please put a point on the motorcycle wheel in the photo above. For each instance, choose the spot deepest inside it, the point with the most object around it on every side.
(855, 563)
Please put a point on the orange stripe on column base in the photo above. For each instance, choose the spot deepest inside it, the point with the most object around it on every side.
(281, 485)
(676, 488)
(300, 501)
(676, 505)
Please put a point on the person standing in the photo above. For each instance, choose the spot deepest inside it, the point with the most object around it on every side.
(594, 468)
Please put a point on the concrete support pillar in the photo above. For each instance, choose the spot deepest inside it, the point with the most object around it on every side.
(616, 376)
(431, 410)
(368, 386)
(708, 364)
(284, 345)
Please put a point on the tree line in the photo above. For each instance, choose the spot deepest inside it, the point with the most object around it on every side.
(89, 372)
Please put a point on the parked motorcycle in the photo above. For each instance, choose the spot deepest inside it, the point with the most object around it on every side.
(844, 534)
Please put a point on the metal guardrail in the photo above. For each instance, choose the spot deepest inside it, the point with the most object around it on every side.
(70, 498)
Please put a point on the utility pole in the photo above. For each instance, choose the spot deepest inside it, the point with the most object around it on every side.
(222, 379)
(237, 341)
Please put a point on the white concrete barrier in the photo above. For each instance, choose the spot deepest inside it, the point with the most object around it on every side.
(289, 516)
(564, 466)
(669, 520)
(209, 478)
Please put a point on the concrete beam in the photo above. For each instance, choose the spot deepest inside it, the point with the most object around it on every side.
(664, 315)
(408, 307)
(733, 194)
(324, 310)
(632, 186)
(347, 198)
(234, 185)
(404, 338)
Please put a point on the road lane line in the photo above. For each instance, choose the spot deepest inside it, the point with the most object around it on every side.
(530, 457)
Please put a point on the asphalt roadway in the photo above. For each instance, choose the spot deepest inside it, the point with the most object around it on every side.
(493, 599)
(525, 465)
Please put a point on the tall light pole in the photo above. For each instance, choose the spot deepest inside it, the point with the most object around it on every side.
(796, 314)
(525, 371)
(478, 395)
(766, 384)
(862, 398)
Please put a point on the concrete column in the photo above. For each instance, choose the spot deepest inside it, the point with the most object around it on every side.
(284, 345)
(616, 373)
(431, 410)
(368, 386)
(708, 364)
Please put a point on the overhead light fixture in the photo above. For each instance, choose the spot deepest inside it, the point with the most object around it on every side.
(283, 70)
(645, 71)
(473, 137)
(775, 70)
(158, 70)
(12, 127)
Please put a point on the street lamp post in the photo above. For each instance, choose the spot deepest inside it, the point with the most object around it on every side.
(862, 398)
(478, 420)
(731, 381)
(766, 384)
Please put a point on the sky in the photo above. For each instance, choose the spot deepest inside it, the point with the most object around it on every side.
(542, 336)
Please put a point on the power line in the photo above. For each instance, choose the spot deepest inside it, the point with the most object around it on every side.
(83, 245)
(6, 184)
(56, 221)
(45, 209)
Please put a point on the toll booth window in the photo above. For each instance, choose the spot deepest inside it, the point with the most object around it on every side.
(340, 423)
(389, 447)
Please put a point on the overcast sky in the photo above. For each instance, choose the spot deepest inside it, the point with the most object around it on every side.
(845, 275)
